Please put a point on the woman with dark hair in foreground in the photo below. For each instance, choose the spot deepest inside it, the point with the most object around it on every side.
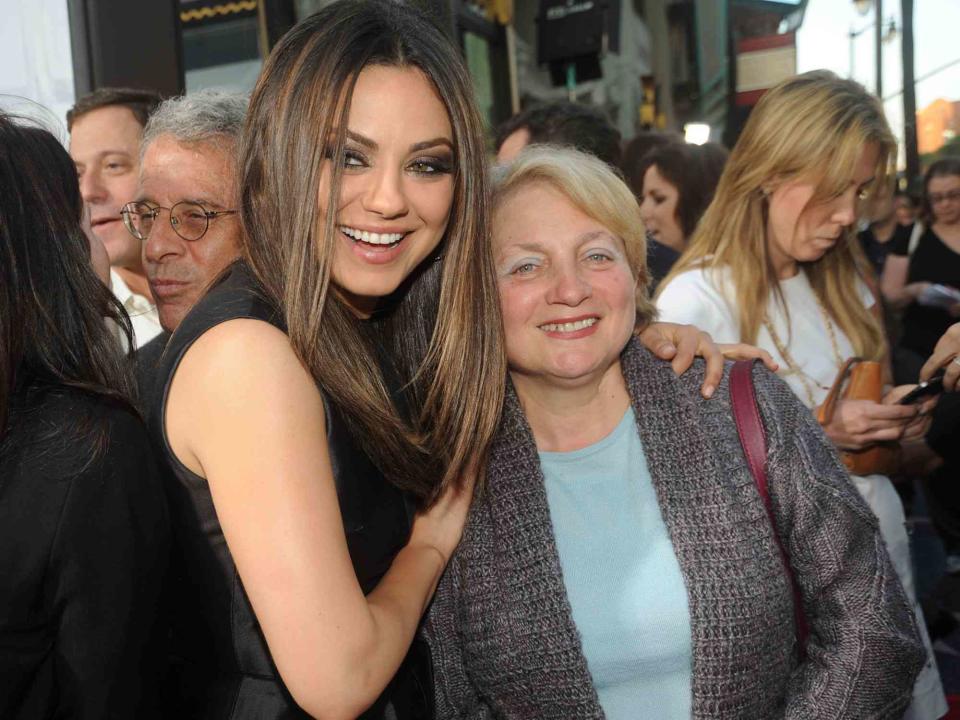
(83, 524)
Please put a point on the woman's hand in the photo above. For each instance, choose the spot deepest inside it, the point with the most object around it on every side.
(917, 427)
(945, 355)
(857, 424)
(682, 343)
(742, 351)
(441, 525)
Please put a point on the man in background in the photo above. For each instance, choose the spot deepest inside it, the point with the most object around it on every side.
(187, 168)
(560, 123)
(105, 131)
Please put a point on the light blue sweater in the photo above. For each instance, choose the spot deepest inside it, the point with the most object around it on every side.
(622, 576)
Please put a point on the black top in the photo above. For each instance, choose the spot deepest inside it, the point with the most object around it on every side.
(147, 358)
(877, 251)
(222, 667)
(84, 541)
(931, 261)
(660, 258)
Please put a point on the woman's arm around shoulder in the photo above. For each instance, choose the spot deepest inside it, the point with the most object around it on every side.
(864, 650)
(244, 413)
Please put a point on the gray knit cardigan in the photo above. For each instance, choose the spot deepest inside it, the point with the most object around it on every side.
(500, 629)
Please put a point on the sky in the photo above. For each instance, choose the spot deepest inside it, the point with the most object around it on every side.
(823, 41)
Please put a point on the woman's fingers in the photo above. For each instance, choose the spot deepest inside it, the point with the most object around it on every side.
(681, 344)
(687, 349)
(742, 351)
(917, 428)
(945, 355)
(951, 376)
(890, 411)
(655, 339)
(882, 435)
(857, 423)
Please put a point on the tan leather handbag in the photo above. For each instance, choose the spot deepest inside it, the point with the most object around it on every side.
(861, 380)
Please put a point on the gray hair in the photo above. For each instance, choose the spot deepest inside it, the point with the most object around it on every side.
(206, 116)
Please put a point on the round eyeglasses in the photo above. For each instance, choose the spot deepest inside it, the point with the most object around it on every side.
(189, 220)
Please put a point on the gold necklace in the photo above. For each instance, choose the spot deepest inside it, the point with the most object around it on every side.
(794, 367)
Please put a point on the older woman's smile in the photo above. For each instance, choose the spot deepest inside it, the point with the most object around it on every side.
(571, 328)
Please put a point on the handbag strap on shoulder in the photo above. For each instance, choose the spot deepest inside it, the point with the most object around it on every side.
(753, 439)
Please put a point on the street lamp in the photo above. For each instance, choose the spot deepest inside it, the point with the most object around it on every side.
(885, 32)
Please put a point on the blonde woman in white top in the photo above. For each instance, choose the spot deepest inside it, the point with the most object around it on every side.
(775, 262)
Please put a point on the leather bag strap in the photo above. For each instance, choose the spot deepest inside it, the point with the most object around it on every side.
(753, 439)
(826, 410)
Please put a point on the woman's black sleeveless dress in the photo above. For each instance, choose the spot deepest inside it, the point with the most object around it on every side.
(220, 664)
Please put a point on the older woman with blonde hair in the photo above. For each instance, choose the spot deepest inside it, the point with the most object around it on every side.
(619, 561)
(775, 262)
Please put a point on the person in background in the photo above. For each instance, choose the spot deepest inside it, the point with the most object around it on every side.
(910, 273)
(638, 146)
(914, 272)
(879, 237)
(560, 123)
(881, 234)
(105, 131)
(619, 561)
(676, 184)
(183, 212)
(83, 521)
(775, 262)
(906, 207)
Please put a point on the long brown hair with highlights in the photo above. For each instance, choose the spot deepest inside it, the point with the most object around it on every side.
(441, 331)
(810, 128)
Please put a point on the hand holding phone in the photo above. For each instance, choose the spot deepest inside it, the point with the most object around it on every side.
(926, 389)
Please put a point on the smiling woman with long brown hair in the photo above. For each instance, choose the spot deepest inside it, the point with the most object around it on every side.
(325, 407)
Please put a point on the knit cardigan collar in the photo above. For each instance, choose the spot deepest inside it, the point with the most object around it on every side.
(682, 464)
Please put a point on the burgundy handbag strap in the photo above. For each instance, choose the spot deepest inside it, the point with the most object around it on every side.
(753, 439)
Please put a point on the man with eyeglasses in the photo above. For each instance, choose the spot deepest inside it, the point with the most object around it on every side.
(183, 212)
(106, 127)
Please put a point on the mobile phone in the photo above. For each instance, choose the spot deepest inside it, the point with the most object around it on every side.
(933, 386)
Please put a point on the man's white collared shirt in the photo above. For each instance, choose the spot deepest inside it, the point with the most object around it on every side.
(143, 314)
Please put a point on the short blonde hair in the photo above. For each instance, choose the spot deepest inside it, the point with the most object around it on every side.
(594, 189)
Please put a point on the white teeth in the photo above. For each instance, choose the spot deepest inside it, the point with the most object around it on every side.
(568, 326)
(372, 238)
